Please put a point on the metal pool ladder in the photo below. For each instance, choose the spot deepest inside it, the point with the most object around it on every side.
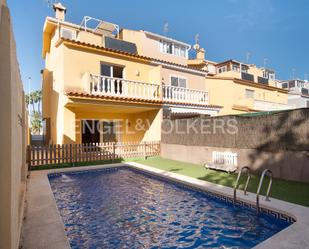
(270, 174)
(245, 168)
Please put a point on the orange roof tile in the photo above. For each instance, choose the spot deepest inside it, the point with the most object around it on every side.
(128, 54)
(76, 93)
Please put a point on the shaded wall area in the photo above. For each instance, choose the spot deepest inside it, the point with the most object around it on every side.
(13, 127)
(277, 141)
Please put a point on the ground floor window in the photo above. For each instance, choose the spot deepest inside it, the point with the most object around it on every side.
(98, 131)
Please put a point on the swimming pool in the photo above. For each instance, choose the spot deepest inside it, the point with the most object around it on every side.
(125, 208)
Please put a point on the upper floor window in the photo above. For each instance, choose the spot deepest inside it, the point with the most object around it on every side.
(235, 68)
(249, 94)
(271, 76)
(244, 68)
(110, 70)
(171, 48)
(268, 75)
(178, 81)
(222, 69)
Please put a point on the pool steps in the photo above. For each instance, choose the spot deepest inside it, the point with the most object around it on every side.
(270, 174)
(264, 173)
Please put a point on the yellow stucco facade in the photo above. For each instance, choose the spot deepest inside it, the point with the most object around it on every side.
(68, 73)
(228, 87)
(250, 89)
(95, 74)
(232, 94)
(134, 102)
(149, 44)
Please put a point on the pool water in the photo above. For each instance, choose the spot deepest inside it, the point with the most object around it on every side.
(124, 208)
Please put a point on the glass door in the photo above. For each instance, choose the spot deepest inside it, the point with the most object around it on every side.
(109, 131)
(111, 81)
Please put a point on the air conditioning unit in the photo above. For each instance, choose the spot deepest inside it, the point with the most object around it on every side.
(68, 34)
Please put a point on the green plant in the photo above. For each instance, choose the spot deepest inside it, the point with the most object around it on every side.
(34, 99)
(36, 121)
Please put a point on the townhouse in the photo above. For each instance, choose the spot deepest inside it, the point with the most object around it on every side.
(298, 96)
(102, 84)
(241, 87)
(105, 84)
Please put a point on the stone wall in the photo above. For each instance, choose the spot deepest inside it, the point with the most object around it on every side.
(279, 141)
(13, 127)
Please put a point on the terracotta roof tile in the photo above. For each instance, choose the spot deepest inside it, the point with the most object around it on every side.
(130, 54)
(75, 93)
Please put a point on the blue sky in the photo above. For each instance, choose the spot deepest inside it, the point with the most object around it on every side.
(273, 29)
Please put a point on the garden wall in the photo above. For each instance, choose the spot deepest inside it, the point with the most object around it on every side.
(278, 141)
(13, 127)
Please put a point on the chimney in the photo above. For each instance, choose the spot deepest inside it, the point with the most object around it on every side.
(200, 52)
(60, 11)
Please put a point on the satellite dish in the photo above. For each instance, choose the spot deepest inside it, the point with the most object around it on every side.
(196, 46)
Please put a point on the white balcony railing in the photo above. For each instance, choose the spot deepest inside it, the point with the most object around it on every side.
(107, 86)
(186, 95)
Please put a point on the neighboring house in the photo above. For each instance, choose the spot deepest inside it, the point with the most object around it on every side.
(298, 92)
(250, 89)
(120, 81)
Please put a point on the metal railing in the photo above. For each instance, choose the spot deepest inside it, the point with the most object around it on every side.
(109, 86)
(270, 174)
(245, 168)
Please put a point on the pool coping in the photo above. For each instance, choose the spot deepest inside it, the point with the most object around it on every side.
(48, 232)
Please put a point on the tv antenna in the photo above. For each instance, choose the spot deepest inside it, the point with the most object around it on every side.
(265, 62)
(165, 28)
(49, 3)
(248, 54)
(293, 73)
(197, 39)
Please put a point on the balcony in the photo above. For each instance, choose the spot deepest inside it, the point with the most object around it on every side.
(107, 86)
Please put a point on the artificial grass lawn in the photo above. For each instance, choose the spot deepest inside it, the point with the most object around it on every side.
(295, 192)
